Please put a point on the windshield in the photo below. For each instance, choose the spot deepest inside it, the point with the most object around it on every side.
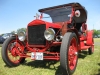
(60, 14)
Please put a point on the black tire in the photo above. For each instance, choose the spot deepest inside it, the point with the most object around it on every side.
(5, 56)
(91, 49)
(64, 51)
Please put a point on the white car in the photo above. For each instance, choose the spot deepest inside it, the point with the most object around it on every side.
(7, 35)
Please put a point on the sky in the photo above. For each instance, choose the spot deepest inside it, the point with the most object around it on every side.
(15, 14)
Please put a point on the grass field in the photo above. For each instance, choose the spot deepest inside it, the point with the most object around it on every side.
(87, 65)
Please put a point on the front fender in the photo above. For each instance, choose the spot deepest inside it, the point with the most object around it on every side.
(89, 38)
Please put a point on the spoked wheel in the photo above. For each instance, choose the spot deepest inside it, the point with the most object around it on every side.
(69, 53)
(91, 49)
(10, 51)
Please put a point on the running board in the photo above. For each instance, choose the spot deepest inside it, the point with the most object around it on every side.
(85, 47)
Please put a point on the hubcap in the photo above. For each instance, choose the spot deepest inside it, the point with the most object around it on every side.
(76, 53)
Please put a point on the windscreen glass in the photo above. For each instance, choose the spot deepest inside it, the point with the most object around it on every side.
(59, 14)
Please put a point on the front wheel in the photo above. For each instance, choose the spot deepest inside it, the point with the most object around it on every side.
(69, 53)
(10, 50)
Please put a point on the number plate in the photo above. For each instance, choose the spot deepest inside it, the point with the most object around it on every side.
(37, 56)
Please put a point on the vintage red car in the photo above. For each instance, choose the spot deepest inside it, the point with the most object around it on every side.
(60, 40)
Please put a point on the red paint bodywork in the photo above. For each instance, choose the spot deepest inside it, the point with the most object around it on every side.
(84, 40)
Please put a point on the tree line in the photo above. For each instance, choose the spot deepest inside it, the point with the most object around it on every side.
(20, 29)
(13, 32)
(96, 33)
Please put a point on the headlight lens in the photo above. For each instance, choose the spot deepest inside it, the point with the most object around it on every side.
(21, 36)
(49, 34)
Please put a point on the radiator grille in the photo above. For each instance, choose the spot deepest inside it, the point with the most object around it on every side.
(36, 34)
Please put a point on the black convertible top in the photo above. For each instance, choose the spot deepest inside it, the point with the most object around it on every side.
(74, 5)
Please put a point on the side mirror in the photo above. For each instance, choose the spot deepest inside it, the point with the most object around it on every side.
(77, 13)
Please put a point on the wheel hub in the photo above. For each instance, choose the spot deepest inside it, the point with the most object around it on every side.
(13, 51)
(76, 53)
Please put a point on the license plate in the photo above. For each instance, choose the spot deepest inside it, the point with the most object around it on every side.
(37, 55)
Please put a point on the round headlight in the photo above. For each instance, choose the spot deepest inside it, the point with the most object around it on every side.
(49, 34)
(21, 36)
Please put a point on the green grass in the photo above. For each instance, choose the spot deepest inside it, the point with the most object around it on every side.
(87, 65)
(97, 39)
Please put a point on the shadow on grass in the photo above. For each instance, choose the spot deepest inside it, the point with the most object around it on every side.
(83, 54)
(59, 71)
(98, 70)
(45, 64)
(42, 64)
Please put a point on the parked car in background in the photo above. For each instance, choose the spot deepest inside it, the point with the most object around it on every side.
(7, 35)
(4, 37)
(98, 36)
(95, 36)
(1, 39)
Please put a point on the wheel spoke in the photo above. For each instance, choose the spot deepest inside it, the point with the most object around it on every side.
(72, 54)
(73, 45)
(71, 63)
(11, 50)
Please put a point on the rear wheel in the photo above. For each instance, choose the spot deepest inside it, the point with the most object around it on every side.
(69, 53)
(91, 49)
(10, 50)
